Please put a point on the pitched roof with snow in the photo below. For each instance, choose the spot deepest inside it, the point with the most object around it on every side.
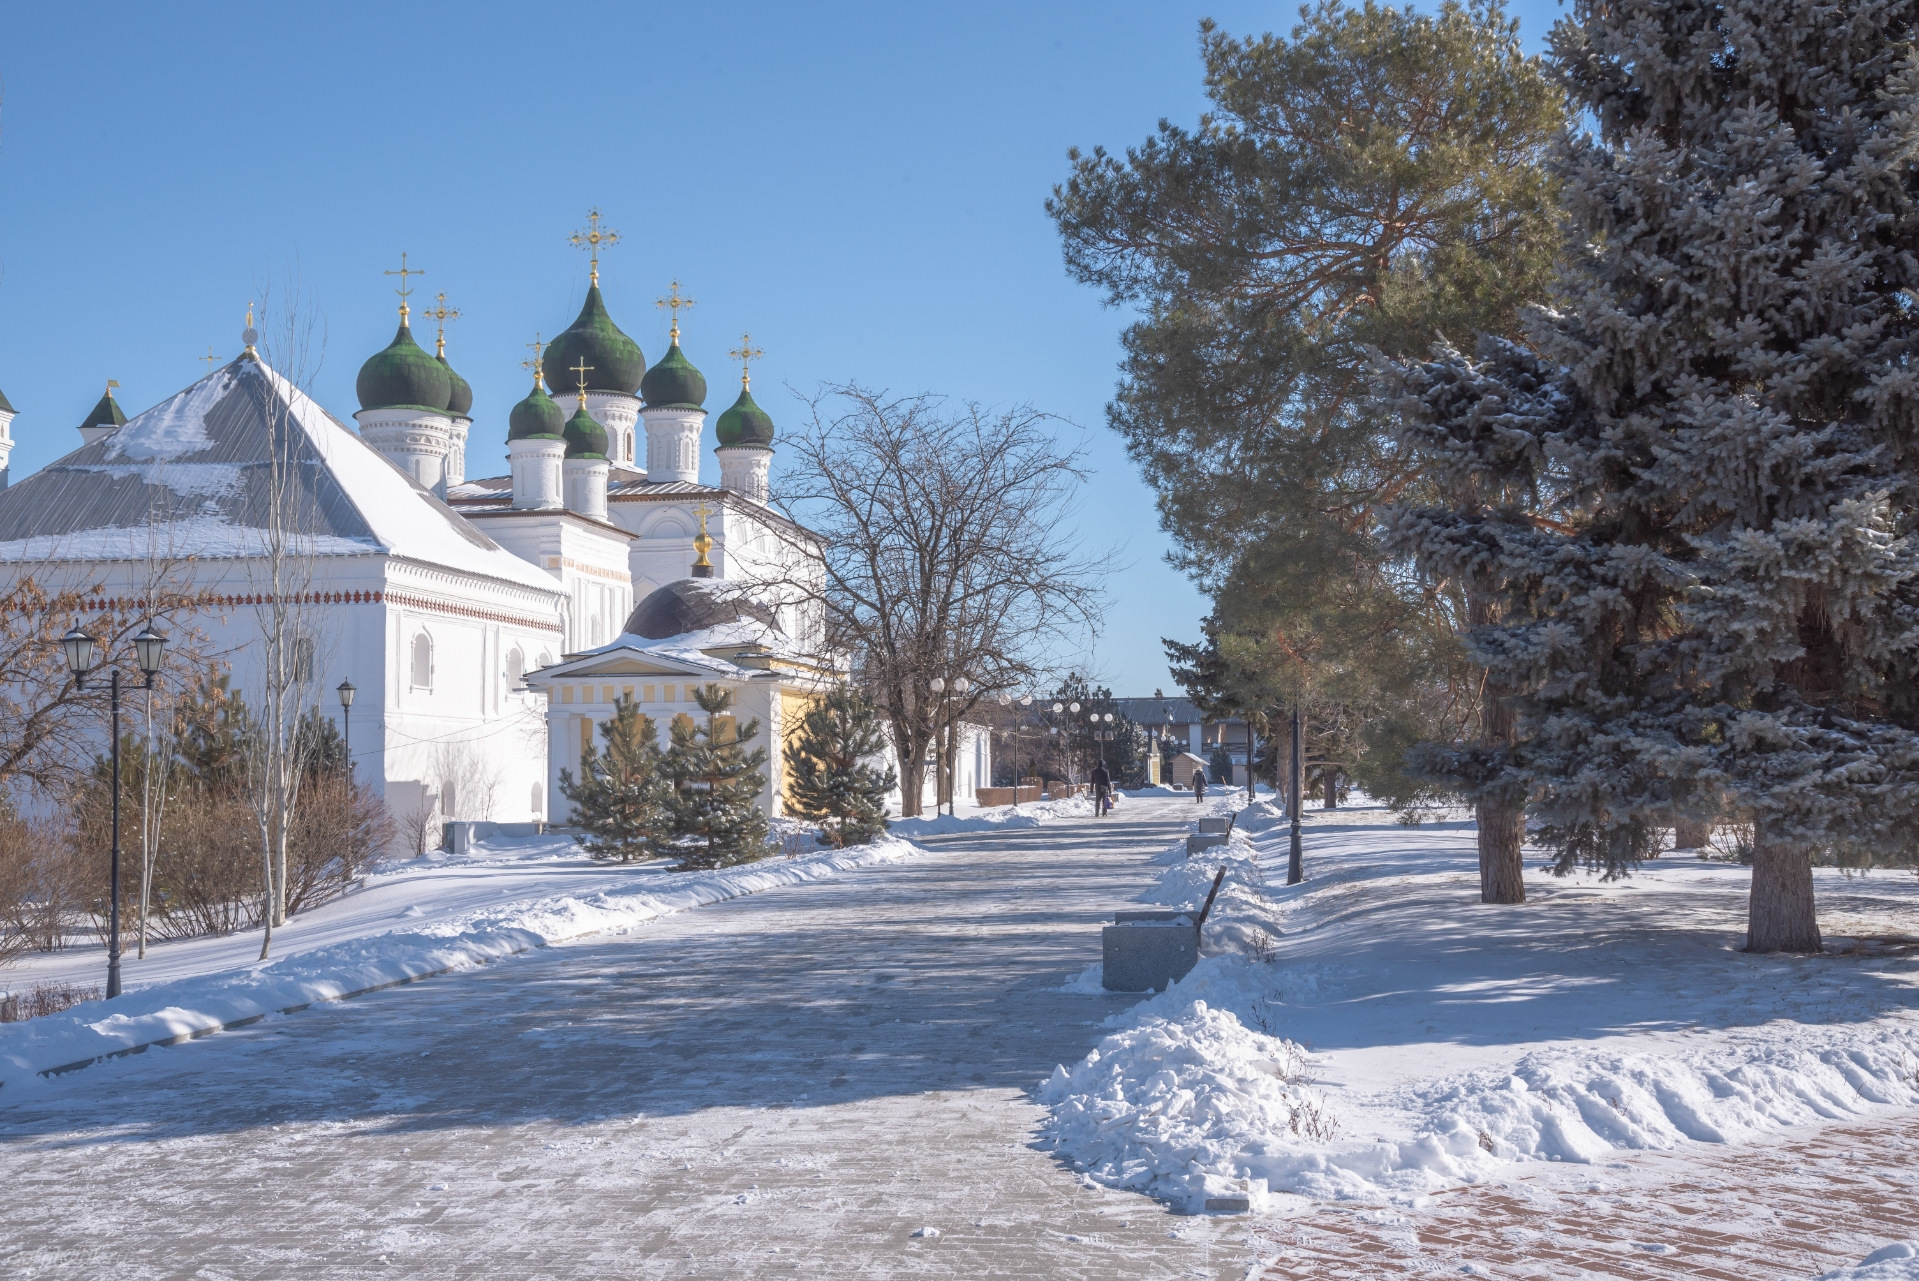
(192, 477)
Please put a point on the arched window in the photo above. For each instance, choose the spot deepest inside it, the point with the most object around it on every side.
(515, 670)
(536, 800)
(422, 661)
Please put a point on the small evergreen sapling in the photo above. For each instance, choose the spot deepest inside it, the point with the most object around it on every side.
(831, 782)
(716, 785)
(621, 799)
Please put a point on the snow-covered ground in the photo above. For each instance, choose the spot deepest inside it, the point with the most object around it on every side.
(420, 917)
(1377, 1033)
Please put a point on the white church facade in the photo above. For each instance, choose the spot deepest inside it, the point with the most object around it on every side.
(487, 623)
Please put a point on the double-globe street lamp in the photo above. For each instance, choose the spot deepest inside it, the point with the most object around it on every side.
(1024, 701)
(149, 648)
(939, 685)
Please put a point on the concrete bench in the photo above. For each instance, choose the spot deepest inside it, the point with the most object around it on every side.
(1209, 825)
(1205, 841)
(1142, 955)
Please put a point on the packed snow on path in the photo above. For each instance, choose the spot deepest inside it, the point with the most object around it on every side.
(424, 916)
(1378, 1032)
(1896, 1262)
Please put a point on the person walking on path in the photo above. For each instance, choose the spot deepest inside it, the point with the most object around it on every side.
(1102, 791)
(1199, 786)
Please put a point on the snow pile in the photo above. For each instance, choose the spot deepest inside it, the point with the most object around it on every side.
(1566, 1105)
(996, 818)
(190, 1006)
(1896, 1262)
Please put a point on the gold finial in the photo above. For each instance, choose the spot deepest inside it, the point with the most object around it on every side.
(702, 543)
(582, 369)
(210, 358)
(677, 301)
(592, 238)
(110, 386)
(746, 353)
(441, 313)
(250, 335)
(405, 290)
(537, 365)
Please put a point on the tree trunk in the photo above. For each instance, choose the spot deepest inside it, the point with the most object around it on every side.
(912, 758)
(1780, 914)
(1501, 822)
(1691, 833)
(1332, 789)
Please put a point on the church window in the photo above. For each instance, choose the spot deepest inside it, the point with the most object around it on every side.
(536, 800)
(422, 661)
(447, 803)
(515, 670)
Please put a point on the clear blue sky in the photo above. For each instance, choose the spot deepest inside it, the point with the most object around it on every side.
(858, 185)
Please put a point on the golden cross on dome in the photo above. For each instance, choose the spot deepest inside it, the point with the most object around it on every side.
(746, 353)
(677, 301)
(537, 365)
(441, 313)
(405, 290)
(210, 358)
(704, 542)
(592, 238)
(582, 369)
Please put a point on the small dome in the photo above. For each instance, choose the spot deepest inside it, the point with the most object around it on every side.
(105, 414)
(403, 376)
(537, 415)
(694, 604)
(745, 425)
(460, 399)
(585, 438)
(614, 360)
(674, 383)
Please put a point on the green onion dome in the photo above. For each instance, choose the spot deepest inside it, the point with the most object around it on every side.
(674, 383)
(537, 415)
(105, 414)
(460, 399)
(585, 438)
(614, 359)
(403, 376)
(745, 425)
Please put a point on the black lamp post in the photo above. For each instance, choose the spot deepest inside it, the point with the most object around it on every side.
(946, 691)
(149, 648)
(346, 692)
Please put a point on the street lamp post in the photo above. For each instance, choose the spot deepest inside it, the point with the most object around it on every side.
(346, 692)
(938, 685)
(149, 648)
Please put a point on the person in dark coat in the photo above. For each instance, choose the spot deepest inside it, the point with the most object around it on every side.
(1102, 790)
(1199, 785)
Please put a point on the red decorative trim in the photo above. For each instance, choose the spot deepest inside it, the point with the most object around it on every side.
(469, 611)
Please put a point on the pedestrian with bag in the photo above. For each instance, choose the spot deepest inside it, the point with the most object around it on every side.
(1199, 785)
(1102, 791)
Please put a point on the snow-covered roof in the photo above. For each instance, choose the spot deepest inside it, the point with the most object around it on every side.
(191, 477)
(710, 650)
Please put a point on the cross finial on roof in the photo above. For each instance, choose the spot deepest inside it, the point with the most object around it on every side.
(405, 290)
(746, 353)
(210, 358)
(702, 543)
(678, 302)
(441, 313)
(536, 364)
(592, 238)
(249, 336)
(582, 369)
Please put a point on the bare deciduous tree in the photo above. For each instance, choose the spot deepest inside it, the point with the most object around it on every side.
(948, 552)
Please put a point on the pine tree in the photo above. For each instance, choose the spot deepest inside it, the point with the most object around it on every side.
(621, 800)
(831, 781)
(1712, 601)
(717, 820)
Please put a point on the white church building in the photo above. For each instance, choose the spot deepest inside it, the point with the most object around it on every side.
(487, 623)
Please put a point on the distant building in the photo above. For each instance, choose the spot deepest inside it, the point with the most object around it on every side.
(1179, 721)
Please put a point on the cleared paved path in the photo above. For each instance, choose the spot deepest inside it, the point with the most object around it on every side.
(790, 1083)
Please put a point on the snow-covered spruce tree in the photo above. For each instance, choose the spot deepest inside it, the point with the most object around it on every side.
(621, 798)
(716, 785)
(1716, 603)
(833, 782)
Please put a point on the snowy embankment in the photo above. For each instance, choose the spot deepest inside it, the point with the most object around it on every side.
(377, 955)
(997, 818)
(1379, 1032)
(1896, 1262)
